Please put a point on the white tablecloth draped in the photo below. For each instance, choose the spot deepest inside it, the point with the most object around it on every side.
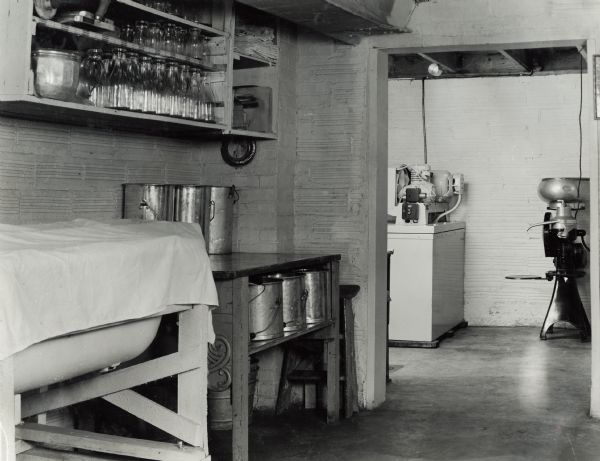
(65, 277)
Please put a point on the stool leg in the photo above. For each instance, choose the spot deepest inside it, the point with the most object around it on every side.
(351, 388)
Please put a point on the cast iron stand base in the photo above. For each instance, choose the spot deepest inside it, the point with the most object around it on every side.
(566, 306)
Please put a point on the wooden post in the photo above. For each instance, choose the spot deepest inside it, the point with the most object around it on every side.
(333, 347)
(7, 410)
(240, 369)
(192, 385)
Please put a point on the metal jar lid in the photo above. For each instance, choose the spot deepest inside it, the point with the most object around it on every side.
(46, 52)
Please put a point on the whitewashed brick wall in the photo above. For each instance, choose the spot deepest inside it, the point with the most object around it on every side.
(504, 134)
(331, 170)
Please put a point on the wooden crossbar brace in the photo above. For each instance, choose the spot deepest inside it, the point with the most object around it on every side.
(110, 383)
(141, 407)
(111, 444)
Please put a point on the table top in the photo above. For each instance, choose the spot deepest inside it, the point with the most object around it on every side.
(234, 265)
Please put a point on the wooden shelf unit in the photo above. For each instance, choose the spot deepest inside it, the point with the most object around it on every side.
(44, 109)
(231, 324)
(246, 61)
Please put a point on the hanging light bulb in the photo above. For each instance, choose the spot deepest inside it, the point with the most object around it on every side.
(434, 69)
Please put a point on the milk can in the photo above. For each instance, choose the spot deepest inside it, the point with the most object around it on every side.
(265, 309)
(212, 208)
(316, 283)
(150, 202)
(294, 301)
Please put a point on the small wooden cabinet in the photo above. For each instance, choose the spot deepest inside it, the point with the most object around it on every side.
(229, 357)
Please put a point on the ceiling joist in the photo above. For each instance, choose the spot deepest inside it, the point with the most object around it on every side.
(445, 67)
(518, 58)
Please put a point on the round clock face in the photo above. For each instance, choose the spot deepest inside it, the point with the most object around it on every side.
(238, 151)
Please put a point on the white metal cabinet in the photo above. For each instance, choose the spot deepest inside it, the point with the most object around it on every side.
(427, 280)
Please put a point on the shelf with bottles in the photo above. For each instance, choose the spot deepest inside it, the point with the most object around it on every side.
(191, 100)
(185, 13)
(45, 109)
(85, 39)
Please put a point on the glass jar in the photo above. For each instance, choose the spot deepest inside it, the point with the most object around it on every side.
(155, 36)
(195, 44)
(180, 40)
(195, 93)
(90, 74)
(161, 102)
(173, 89)
(119, 80)
(170, 40)
(136, 94)
(104, 97)
(147, 80)
(208, 107)
(185, 105)
(128, 33)
(140, 36)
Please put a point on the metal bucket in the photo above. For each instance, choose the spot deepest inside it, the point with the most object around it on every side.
(212, 208)
(294, 301)
(219, 402)
(150, 202)
(316, 283)
(265, 309)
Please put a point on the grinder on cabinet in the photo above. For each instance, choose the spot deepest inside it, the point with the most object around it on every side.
(564, 241)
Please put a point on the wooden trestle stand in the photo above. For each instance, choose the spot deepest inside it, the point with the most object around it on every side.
(25, 441)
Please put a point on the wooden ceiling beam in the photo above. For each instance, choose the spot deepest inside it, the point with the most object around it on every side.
(443, 66)
(517, 59)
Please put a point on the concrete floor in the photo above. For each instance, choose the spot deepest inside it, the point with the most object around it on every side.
(486, 394)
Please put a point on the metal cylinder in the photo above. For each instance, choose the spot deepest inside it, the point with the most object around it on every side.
(219, 402)
(294, 301)
(265, 309)
(212, 208)
(316, 283)
(150, 202)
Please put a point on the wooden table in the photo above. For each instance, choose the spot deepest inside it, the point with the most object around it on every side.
(231, 273)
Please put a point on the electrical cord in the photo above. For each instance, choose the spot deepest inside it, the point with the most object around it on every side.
(423, 116)
(585, 244)
(580, 129)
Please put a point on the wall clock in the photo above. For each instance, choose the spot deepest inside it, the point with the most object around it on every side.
(238, 151)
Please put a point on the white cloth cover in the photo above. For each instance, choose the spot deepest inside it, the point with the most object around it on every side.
(65, 277)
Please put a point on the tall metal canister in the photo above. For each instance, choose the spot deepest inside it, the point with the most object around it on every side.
(316, 283)
(265, 308)
(212, 208)
(150, 202)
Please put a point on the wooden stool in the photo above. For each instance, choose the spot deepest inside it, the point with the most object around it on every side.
(347, 293)
(294, 372)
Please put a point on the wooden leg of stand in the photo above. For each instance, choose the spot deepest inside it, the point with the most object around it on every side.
(332, 347)
(7, 410)
(240, 369)
(191, 385)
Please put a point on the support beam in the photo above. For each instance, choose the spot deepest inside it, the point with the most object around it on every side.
(192, 385)
(44, 454)
(7, 410)
(109, 383)
(444, 67)
(166, 420)
(111, 444)
(517, 60)
(240, 369)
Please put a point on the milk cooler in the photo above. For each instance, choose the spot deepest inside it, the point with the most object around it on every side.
(427, 281)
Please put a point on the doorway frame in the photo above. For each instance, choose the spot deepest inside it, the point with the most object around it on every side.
(377, 173)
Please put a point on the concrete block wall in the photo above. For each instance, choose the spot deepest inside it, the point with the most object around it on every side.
(330, 188)
(504, 135)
